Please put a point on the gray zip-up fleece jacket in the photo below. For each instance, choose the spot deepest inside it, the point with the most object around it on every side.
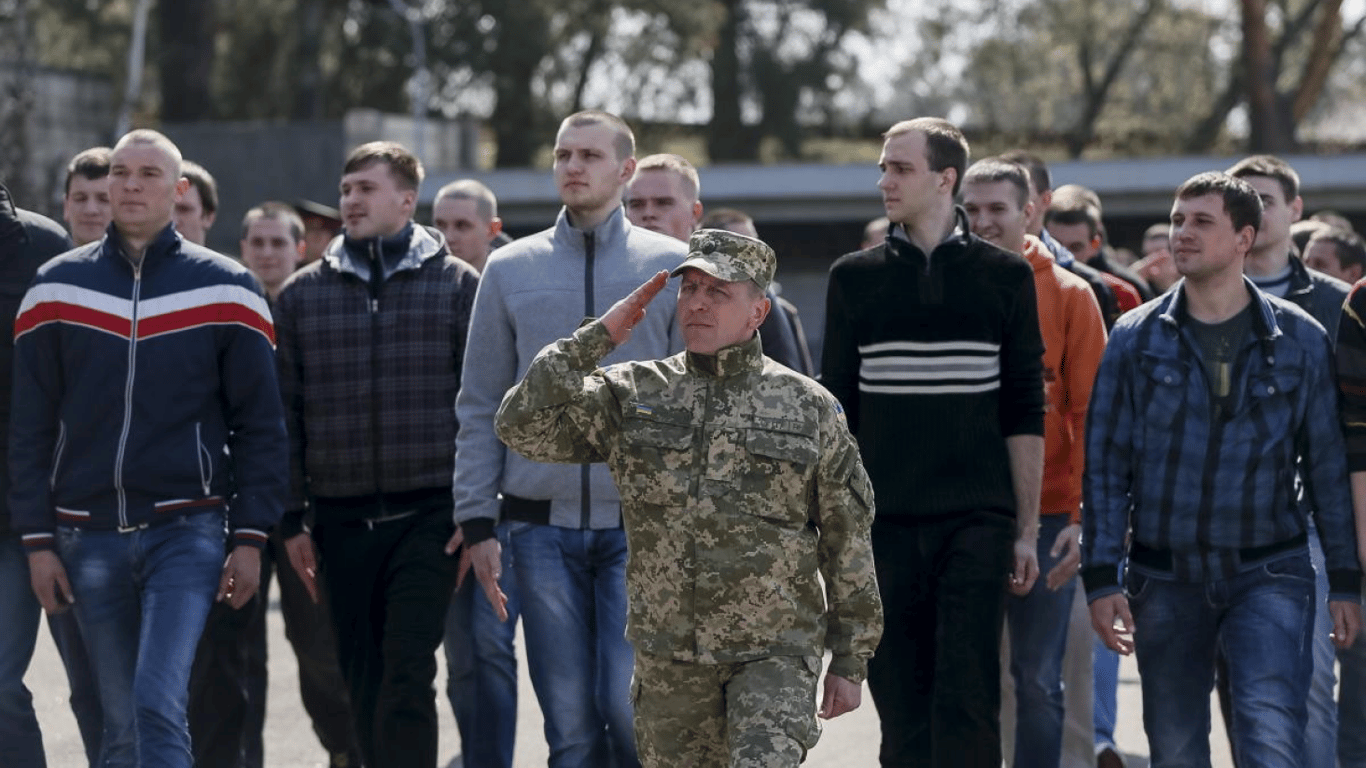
(533, 292)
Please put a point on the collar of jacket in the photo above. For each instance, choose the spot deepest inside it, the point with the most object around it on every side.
(408, 249)
(729, 361)
(898, 244)
(1300, 283)
(608, 234)
(1263, 314)
(165, 245)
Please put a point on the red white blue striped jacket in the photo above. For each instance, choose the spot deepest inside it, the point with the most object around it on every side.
(143, 392)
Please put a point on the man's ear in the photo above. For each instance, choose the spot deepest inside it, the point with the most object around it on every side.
(495, 226)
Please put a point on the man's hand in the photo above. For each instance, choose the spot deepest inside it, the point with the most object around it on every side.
(627, 313)
(841, 695)
(1026, 570)
(47, 576)
(486, 558)
(1069, 542)
(304, 560)
(1346, 621)
(1105, 611)
(241, 576)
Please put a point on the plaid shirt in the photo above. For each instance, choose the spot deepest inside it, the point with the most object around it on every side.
(1203, 489)
(369, 375)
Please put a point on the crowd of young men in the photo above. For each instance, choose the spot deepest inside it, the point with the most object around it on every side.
(396, 416)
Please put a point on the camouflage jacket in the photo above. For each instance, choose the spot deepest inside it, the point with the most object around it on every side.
(741, 487)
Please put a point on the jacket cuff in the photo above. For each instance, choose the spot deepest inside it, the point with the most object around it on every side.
(851, 668)
(1100, 580)
(42, 541)
(1344, 584)
(291, 524)
(477, 529)
(249, 537)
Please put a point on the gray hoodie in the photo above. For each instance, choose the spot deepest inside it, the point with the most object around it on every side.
(533, 292)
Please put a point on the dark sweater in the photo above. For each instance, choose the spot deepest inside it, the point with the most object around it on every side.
(935, 364)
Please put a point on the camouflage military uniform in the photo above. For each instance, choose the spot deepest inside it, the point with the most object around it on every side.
(741, 486)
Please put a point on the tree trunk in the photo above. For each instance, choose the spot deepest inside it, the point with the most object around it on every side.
(1268, 117)
(1098, 91)
(187, 47)
(726, 140)
(306, 74)
(1323, 51)
(522, 37)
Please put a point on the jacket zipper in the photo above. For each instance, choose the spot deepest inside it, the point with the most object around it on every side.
(376, 283)
(585, 477)
(57, 454)
(128, 398)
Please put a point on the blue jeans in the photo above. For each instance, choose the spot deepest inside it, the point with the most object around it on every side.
(1352, 705)
(481, 661)
(1105, 700)
(21, 743)
(1038, 624)
(1261, 619)
(573, 590)
(85, 694)
(142, 599)
(1321, 735)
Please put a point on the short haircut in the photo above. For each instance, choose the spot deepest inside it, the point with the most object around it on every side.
(1241, 201)
(277, 212)
(403, 165)
(719, 218)
(945, 145)
(675, 163)
(1271, 167)
(203, 183)
(1069, 195)
(156, 139)
(1072, 211)
(91, 164)
(1158, 230)
(1348, 245)
(625, 141)
(994, 169)
(485, 203)
(1039, 175)
(1334, 219)
(1303, 230)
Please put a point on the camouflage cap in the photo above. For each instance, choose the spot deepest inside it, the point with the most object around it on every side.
(730, 257)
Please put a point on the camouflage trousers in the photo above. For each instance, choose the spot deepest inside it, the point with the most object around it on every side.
(753, 714)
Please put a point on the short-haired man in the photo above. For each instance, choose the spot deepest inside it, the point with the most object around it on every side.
(1105, 287)
(936, 331)
(1337, 253)
(570, 549)
(662, 196)
(196, 210)
(372, 339)
(728, 617)
(27, 240)
(272, 244)
(996, 199)
(481, 656)
(120, 491)
(1207, 402)
(1074, 221)
(1275, 268)
(85, 205)
(1157, 266)
(466, 212)
(874, 232)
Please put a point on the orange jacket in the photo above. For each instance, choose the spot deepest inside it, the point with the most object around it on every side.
(1074, 340)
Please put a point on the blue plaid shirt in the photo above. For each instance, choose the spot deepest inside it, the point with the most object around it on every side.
(1159, 463)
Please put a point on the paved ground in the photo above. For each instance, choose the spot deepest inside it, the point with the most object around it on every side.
(851, 740)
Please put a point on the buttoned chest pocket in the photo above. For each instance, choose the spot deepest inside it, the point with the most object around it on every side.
(780, 460)
(1164, 383)
(1271, 400)
(656, 466)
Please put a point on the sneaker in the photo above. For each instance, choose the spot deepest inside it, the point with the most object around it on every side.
(1109, 757)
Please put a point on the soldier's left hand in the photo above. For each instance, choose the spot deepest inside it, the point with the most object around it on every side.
(241, 576)
(1069, 542)
(1346, 622)
(1026, 569)
(841, 695)
(627, 313)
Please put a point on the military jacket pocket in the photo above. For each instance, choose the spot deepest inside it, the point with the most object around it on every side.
(780, 458)
(656, 467)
